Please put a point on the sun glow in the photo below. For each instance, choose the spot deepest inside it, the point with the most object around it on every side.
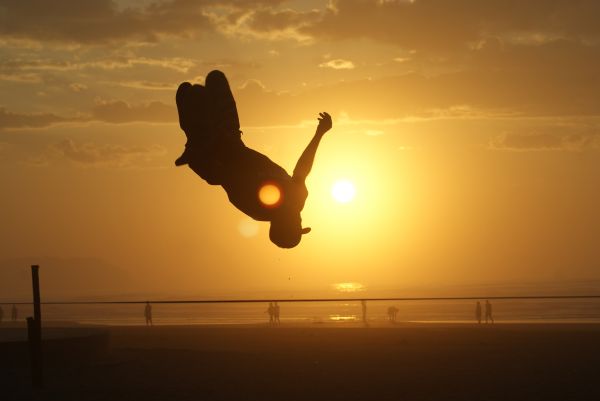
(349, 287)
(269, 195)
(248, 227)
(343, 191)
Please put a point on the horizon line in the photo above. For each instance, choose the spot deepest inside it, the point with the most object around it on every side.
(230, 301)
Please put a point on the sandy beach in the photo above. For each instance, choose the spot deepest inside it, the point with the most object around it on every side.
(313, 362)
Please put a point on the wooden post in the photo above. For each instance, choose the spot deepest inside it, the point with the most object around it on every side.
(34, 331)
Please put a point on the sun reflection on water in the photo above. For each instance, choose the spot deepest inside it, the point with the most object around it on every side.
(349, 287)
(343, 318)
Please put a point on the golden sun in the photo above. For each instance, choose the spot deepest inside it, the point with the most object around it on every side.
(343, 191)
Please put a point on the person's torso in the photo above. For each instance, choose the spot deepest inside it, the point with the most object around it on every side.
(252, 171)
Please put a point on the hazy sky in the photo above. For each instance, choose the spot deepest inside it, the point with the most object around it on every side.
(470, 129)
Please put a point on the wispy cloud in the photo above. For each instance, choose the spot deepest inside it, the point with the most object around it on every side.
(545, 142)
(76, 87)
(107, 155)
(118, 111)
(21, 77)
(338, 64)
(100, 21)
(112, 111)
(148, 85)
(21, 120)
(21, 65)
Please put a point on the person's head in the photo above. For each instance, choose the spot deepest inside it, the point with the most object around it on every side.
(287, 232)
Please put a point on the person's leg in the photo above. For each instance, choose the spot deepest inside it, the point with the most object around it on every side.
(219, 125)
(193, 106)
(223, 107)
(201, 152)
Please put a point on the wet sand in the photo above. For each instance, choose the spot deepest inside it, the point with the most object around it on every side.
(321, 362)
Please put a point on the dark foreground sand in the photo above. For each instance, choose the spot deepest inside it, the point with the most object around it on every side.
(401, 362)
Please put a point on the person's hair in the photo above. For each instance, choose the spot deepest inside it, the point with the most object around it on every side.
(287, 232)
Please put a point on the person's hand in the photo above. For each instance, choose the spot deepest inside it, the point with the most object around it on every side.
(324, 123)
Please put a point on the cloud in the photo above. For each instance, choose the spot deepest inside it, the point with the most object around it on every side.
(253, 85)
(338, 64)
(276, 24)
(115, 112)
(21, 120)
(107, 155)
(102, 21)
(20, 77)
(99, 21)
(429, 25)
(118, 111)
(481, 92)
(545, 142)
(534, 57)
(75, 87)
(475, 94)
(20, 65)
(440, 25)
(149, 85)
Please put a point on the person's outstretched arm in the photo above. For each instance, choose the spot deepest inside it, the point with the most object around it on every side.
(306, 160)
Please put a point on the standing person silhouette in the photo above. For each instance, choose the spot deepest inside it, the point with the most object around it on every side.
(276, 312)
(363, 305)
(488, 311)
(478, 312)
(271, 311)
(148, 314)
(14, 313)
(254, 184)
(392, 312)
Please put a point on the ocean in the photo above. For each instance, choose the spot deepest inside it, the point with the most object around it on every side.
(454, 311)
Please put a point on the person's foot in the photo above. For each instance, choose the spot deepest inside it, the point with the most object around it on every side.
(184, 158)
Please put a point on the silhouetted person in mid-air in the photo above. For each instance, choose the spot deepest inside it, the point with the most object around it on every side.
(392, 312)
(148, 314)
(478, 312)
(488, 311)
(14, 313)
(254, 183)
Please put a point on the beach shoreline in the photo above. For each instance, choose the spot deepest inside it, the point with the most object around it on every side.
(314, 362)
